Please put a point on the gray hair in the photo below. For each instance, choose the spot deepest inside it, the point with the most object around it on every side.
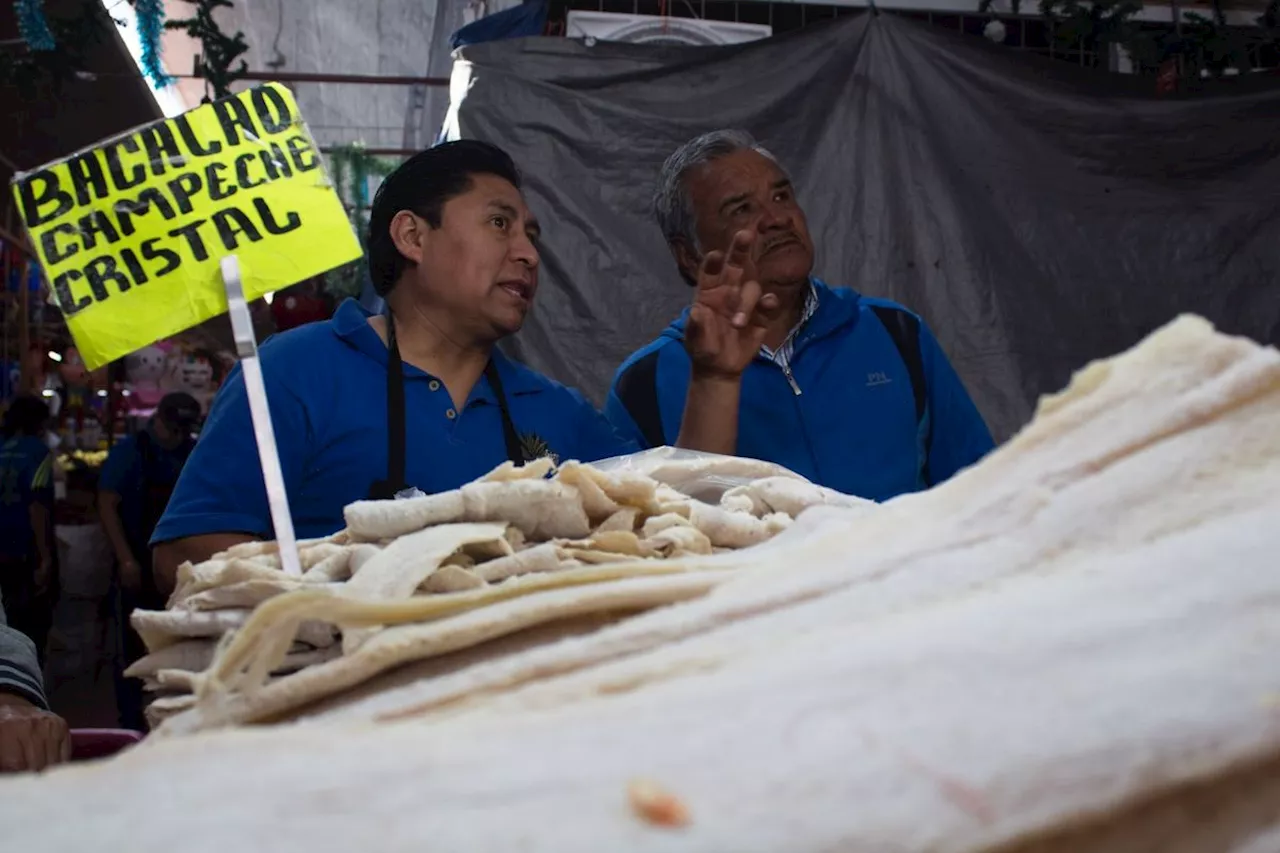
(671, 203)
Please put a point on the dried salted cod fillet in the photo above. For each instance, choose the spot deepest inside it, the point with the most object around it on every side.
(404, 564)
(195, 656)
(161, 628)
(451, 579)
(402, 644)
(244, 662)
(250, 550)
(625, 488)
(217, 573)
(340, 566)
(542, 509)
(657, 523)
(597, 504)
(246, 594)
(787, 495)
(625, 518)
(613, 541)
(540, 558)
(185, 679)
(735, 529)
(679, 541)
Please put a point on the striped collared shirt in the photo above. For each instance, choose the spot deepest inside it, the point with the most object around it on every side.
(783, 354)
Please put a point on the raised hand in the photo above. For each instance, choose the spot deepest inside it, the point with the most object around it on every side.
(729, 316)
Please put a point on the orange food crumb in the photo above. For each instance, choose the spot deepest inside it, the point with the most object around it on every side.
(657, 805)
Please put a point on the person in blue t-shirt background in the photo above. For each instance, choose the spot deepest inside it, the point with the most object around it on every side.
(850, 391)
(28, 557)
(367, 406)
(134, 487)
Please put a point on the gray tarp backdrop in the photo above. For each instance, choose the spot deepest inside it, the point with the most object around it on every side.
(1036, 214)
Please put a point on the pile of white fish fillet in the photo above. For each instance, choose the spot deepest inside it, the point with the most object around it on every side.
(1072, 647)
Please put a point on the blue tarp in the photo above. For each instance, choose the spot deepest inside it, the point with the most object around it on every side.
(527, 19)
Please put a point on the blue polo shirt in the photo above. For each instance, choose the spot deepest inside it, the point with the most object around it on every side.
(26, 477)
(327, 389)
(846, 418)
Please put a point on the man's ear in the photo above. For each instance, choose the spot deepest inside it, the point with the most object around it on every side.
(408, 233)
(687, 258)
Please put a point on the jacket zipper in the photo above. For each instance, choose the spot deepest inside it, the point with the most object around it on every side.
(791, 380)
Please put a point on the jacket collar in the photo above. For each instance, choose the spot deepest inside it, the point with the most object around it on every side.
(351, 324)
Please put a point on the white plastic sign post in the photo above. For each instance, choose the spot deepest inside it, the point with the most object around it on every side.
(263, 432)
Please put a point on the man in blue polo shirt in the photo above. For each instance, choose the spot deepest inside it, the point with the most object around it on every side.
(365, 407)
(852, 392)
(27, 550)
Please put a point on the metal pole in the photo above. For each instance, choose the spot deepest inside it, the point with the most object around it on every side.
(309, 77)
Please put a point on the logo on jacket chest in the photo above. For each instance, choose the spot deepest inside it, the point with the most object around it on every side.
(877, 378)
(534, 446)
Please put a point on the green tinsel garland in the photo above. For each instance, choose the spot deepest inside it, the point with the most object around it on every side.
(351, 167)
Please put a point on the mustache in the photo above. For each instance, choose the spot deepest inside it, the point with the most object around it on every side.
(781, 240)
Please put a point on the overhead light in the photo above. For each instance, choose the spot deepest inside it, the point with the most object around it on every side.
(48, 392)
(56, 356)
(102, 393)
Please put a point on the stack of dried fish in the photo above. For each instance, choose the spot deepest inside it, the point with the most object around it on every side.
(410, 562)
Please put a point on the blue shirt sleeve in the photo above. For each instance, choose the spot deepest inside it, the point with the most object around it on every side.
(960, 435)
(119, 472)
(596, 437)
(221, 489)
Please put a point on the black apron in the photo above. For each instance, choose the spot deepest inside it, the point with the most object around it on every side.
(387, 489)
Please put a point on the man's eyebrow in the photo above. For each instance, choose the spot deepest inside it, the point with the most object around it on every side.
(782, 184)
(503, 207)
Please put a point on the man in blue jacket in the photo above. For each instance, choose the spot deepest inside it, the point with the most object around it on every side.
(850, 391)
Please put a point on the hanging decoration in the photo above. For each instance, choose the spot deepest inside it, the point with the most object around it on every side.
(351, 167)
(150, 17)
(32, 25)
(52, 49)
(219, 51)
(1204, 46)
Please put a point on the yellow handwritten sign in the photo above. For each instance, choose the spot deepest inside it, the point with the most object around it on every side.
(130, 232)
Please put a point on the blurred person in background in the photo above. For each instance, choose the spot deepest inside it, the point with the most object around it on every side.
(133, 490)
(31, 736)
(27, 552)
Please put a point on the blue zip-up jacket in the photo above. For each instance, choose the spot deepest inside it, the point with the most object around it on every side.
(845, 418)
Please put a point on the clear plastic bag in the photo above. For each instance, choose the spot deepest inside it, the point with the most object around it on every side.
(705, 476)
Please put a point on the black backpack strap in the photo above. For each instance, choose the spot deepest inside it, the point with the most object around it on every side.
(904, 328)
(637, 388)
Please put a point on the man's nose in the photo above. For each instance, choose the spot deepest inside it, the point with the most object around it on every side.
(774, 217)
(523, 251)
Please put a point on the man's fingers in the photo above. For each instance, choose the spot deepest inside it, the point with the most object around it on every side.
(33, 747)
(767, 310)
(740, 248)
(748, 297)
(53, 742)
(712, 264)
